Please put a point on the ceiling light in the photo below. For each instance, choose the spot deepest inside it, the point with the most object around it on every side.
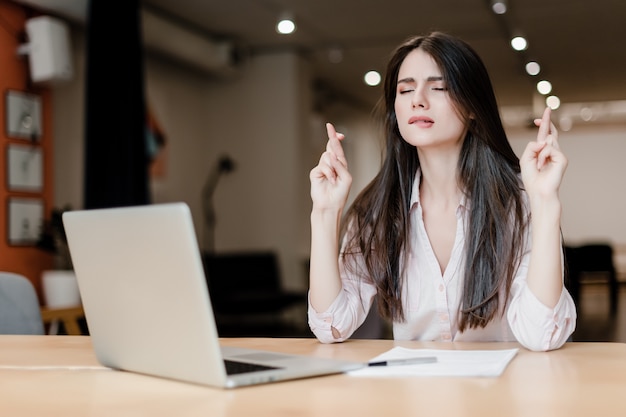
(544, 87)
(335, 55)
(553, 102)
(498, 6)
(519, 43)
(372, 78)
(533, 68)
(586, 114)
(286, 24)
(566, 123)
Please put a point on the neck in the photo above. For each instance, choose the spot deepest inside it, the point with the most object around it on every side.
(439, 177)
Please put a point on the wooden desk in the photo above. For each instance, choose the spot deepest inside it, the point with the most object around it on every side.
(59, 375)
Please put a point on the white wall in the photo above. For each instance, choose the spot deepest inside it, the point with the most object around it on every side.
(593, 191)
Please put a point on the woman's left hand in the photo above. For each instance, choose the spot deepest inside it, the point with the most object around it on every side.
(542, 163)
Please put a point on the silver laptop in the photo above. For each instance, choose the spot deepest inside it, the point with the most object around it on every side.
(147, 305)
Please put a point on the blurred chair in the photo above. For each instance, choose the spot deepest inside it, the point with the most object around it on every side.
(571, 273)
(246, 291)
(592, 262)
(374, 326)
(19, 306)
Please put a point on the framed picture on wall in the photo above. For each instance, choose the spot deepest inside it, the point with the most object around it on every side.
(25, 220)
(24, 168)
(23, 115)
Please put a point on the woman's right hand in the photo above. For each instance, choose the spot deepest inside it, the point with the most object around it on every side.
(330, 179)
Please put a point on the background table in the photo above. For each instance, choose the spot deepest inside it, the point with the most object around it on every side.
(70, 317)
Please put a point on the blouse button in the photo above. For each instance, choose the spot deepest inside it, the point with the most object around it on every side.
(441, 288)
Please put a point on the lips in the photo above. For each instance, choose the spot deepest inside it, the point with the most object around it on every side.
(421, 121)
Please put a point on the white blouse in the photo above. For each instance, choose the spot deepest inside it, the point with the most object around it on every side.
(431, 300)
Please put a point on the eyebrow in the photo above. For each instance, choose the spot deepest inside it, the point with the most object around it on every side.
(428, 79)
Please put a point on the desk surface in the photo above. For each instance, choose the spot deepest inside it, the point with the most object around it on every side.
(59, 375)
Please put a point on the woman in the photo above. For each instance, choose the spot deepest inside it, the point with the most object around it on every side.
(458, 239)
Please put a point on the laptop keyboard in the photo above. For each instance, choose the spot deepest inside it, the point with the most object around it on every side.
(234, 367)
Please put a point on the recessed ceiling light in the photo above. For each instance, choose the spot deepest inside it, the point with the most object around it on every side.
(286, 24)
(586, 114)
(553, 102)
(566, 123)
(533, 68)
(498, 6)
(544, 87)
(519, 43)
(335, 55)
(372, 78)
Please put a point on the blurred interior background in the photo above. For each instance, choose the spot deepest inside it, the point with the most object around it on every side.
(239, 109)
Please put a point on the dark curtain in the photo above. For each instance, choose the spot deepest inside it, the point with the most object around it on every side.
(116, 158)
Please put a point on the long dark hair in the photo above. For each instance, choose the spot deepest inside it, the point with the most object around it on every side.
(488, 173)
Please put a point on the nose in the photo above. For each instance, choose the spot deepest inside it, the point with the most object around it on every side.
(419, 98)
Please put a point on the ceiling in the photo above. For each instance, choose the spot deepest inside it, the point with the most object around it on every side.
(578, 43)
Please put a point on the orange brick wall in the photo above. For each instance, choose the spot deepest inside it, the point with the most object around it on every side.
(14, 75)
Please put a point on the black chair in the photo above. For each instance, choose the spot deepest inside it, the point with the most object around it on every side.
(246, 291)
(589, 263)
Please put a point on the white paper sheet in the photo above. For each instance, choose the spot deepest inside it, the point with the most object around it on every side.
(465, 363)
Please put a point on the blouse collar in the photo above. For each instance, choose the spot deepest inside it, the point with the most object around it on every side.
(415, 193)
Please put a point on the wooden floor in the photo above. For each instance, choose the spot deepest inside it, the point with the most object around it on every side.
(594, 323)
